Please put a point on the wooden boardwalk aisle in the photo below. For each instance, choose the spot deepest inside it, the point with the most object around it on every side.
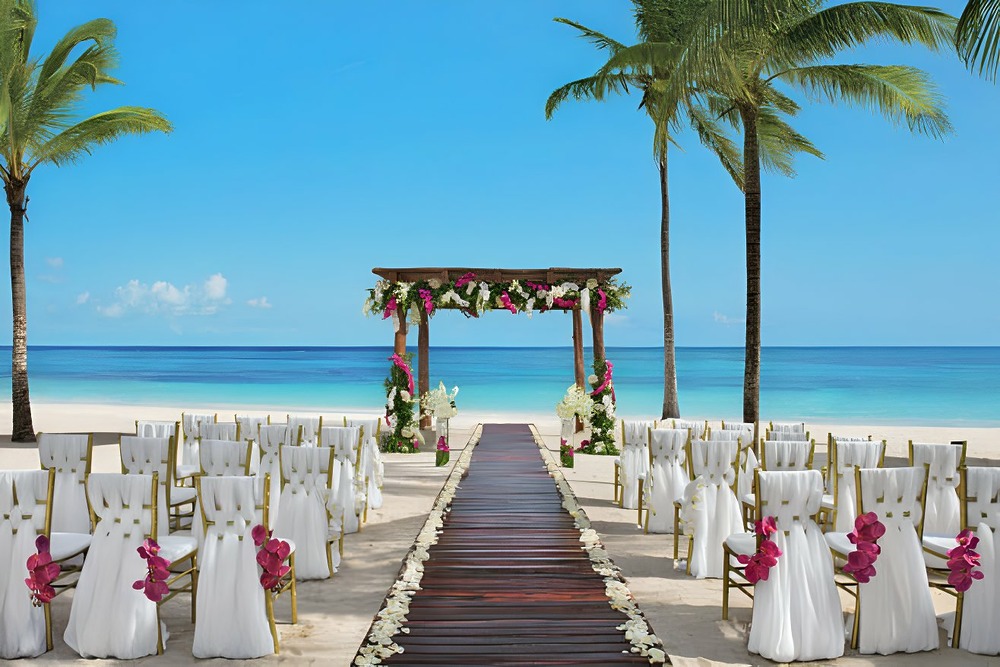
(508, 583)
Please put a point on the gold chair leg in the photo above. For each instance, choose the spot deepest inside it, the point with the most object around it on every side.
(48, 627)
(614, 490)
(725, 584)
(194, 588)
(857, 620)
(295, 594)
(269, 605)
(677, 537)
(690, 553)
(957, 630)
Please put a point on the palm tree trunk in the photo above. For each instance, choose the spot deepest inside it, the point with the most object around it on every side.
(670, 403)
(751, 190)
(22, 429)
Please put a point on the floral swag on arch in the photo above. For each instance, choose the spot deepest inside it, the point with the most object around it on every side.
(473, 295)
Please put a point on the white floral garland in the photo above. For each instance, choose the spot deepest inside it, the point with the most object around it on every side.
(637, 631)
(391, 619)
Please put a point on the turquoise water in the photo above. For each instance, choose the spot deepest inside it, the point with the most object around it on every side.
(948, 386)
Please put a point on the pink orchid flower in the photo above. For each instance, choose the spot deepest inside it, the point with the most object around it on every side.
(602, 300)
(766, 526)
(505, 300)
(465, 279)
(390, 308)
(260, 534)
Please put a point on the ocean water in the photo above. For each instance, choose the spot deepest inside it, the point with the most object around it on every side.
(957, 386)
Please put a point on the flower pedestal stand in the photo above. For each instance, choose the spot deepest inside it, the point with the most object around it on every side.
(443, 452)
(566, 442)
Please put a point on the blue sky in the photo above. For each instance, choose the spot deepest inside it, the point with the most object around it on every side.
(316, 141)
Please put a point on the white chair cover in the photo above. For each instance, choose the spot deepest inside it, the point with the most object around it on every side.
(69, 454)
(231, 615)
(744, 427)
(218, 431)
(109, 618)
(309, 434)
(372, 467)
(348, 490)
(849, 455)
(711, 510)
(796, 612)
(223, 458)
(897, 613)
(787, 436)
(667, 477)
(787, 454)
(249, 425)
(22, 625)
(155, 429)
(788, 428)
(634, 459)
(191, 427)
(981, 616)
(697, 428)
(941, 508)
(731, 434)
(144, 456)
(270, 438)
(302, 514)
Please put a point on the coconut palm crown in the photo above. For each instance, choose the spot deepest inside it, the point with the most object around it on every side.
(39, 124)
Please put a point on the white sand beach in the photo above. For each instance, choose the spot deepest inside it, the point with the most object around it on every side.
(335, 614)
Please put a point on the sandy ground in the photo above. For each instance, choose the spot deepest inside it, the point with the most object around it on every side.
(334, 614)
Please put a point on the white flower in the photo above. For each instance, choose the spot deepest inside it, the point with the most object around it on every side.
(405, 395)
(592, 379)
(406, 432)
(435, 283)
(592, 283)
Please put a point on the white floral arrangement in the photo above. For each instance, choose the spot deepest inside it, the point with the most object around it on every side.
(576, 403)
(439, 403)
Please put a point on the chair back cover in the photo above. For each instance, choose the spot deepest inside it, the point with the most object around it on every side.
(270, 438)
(249, 426)
(218, 430)
(796, 612)
(667, 476)
(848, 455)
(191, 427)
(348, 487)
(746, 427)
(897, 612)
(787, 436)
(109, 618)
(24, 506)
(220, 458)
(787, 454)
(145, 428)
(697, 428)
(144, 456)
(69, 455)
(308, 435)
(372, 467)
(731, 434)
(981, 616)
(788, 428)
(302, 514)
(634, 458)
(942, 515)
(231, 614)
(710, 510)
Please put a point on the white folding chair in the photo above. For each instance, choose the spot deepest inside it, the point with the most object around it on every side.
(249, 425)
(372, 467)
(710, 510)
(306, 428)
(187, 449)
(840, 506)
(942, 511)
(109, 618)
(219, 431)
(221, 458)
(146, 428)
(304, 515)
(667, 477)
(146, 456)
(235, 614)
(348, 487)
(633, 464)
(698, 428)
(270, 439)
(69, 454)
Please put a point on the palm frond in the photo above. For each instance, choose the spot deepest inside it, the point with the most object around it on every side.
(712, 136)
(599, 40)
(825, 33)
(779, 143)
(80, 139)
(978, 37)
(100, 31)
(591, 88)
(901, 94)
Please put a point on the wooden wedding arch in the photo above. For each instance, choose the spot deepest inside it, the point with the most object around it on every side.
(598, 280)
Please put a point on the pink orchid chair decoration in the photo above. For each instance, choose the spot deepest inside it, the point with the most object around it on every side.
(942, 514)
(634, 460)
(109, 617)
(69, 454)
(372, 468)
(710, 510)
(303, 515)
(895, 612)
(348, 488)
(668, 476)
(233, 620)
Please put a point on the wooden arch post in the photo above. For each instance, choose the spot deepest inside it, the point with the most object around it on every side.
(423, 364)
(597, 324)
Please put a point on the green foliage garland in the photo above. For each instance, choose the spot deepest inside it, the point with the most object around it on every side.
(400, 408)
(602, 419)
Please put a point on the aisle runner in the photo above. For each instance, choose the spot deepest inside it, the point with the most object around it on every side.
(508, 581)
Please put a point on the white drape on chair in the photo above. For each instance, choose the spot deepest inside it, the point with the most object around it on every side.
(347, 489)
(232, 617)
(22, 625)
(796, 612)
(787, 454)
(634, 459)
(144, 456)
(667, 477)
(850, 455)
(897, 613)
(302, 514)
(249, 426)
(697, 428)
(941, 508)
(308, 434)
(713, 512)
(981, 615)
(187, 459)
(109, 618)
(155, 429)
(372, 467)
(270, 438)
(69, 454)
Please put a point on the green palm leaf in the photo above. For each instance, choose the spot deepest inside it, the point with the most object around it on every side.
(978, 36)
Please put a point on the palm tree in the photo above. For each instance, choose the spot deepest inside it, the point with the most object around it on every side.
(655, 21)
(978, 36)
(743, 48)
(38, 98)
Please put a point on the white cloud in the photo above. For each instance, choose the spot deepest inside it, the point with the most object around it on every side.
(54, 262)
(165, 298)
(262, 302)
(82, 298)
(726, 320)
